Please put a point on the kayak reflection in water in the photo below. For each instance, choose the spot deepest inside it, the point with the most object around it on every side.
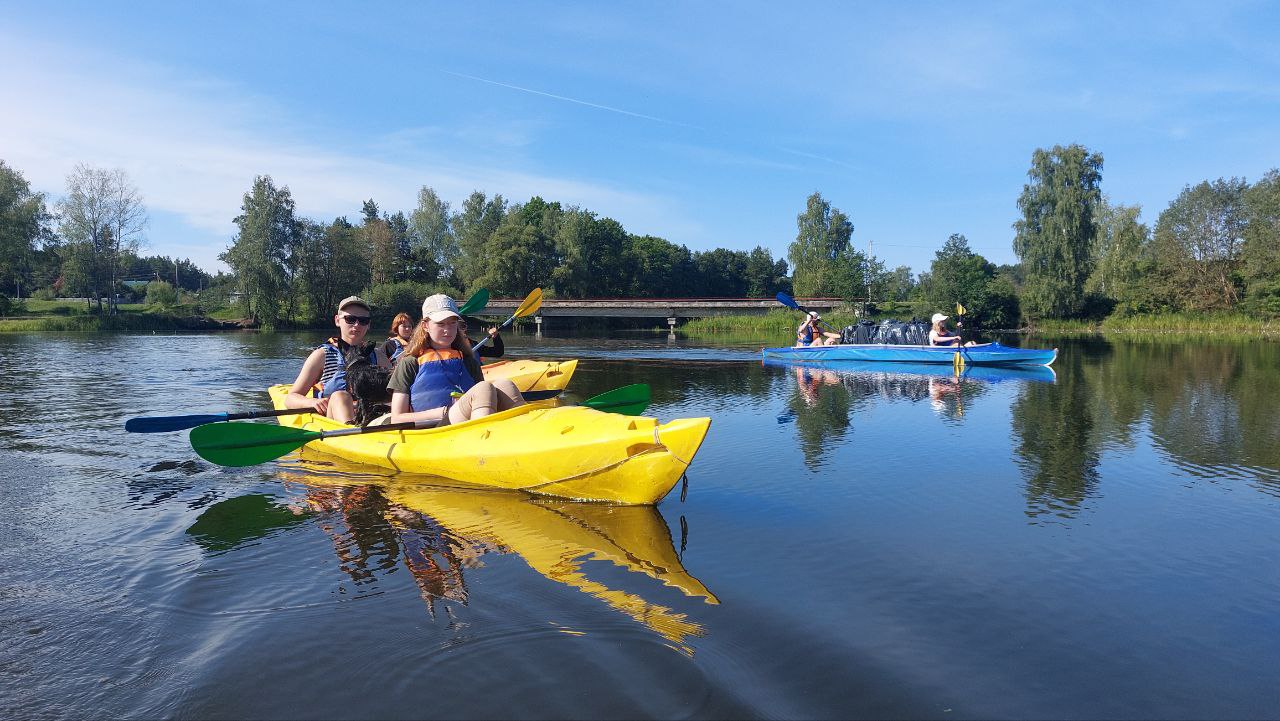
(441, 534)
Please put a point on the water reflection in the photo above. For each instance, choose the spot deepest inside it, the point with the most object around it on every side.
(236, 521)
(441, 534)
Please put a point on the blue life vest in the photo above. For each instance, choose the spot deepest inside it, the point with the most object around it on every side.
(398, 345)
(334, 376)
(805, 334)
(440, 374)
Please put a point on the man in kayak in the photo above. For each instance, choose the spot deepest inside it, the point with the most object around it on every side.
(809, 334)
(439, 379)
(326, 367)
(941, 335)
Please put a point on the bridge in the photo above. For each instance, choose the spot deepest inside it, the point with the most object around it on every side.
(672, 309)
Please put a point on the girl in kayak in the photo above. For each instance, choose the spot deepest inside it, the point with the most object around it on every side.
(940, 335)
(438, 377)
(809, 334)
(400, 334)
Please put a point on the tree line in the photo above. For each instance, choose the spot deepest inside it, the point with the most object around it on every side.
(288, 267)
(1215, 248)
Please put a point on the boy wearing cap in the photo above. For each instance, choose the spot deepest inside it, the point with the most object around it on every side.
(438, 377)
(809, 334)
(326, 367)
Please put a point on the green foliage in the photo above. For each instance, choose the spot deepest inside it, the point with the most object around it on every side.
(432, 246)
(958, 275)
(161, 294)
(658, 268)
(1199, 244)
(388, 299)
(23, 225)
(44, 294)
(823, 261)
(1055, 236)
(258, 255)
(1261, 253)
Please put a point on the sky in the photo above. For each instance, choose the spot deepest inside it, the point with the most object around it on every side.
(705, 123)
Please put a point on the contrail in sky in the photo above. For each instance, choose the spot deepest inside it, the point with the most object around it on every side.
(571, 100)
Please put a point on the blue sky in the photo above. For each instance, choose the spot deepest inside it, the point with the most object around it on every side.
(705, 123)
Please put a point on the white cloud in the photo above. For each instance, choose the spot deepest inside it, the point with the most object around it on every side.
(193, 146)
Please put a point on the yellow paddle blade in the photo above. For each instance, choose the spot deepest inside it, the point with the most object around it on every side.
(959, 309)
(531, 304)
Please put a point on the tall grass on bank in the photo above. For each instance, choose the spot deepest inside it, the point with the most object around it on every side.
(1171, 324)
(94, 323)
(773, 325)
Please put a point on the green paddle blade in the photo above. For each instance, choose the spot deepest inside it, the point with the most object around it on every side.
(477, 301)
(247, 444)
(628, 400)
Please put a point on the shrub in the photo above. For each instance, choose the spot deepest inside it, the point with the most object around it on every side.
(161, 294)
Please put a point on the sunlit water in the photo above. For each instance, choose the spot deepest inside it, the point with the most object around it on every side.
(1099, 541)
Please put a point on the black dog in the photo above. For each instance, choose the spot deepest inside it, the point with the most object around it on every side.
(367, 383)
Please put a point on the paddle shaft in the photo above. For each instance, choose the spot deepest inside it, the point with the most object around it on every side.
(790, 302)
(530, 304)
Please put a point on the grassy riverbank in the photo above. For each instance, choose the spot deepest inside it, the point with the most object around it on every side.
(1170, 324)
(75, 316)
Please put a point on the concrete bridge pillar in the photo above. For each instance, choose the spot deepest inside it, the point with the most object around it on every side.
(537, 321)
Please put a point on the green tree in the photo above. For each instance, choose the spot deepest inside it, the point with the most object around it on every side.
(591, 253)
(765, 276)
(958, 275)
(103, 217)
(1262, 244)
(472, 228)
(1124, 260)
(520, 255)
(260, 253)
(1056, 233)
(1199, 244)
(819, 255)
(658, 268)
(23, 227)
(895, 285)
(433, 247)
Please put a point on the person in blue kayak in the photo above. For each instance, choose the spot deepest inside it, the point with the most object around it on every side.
(810, 334)
(941, 335)
(322, 384)
(438, 377)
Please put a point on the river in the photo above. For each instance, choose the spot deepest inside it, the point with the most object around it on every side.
(1099, 541)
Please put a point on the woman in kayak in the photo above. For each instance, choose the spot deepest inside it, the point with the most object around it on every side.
(438, 377)
(809, 334)
(400, 334)
(940, 335)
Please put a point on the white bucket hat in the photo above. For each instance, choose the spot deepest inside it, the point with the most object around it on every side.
(938, 316)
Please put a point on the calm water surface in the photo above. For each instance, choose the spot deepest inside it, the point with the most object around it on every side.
(1100, 541)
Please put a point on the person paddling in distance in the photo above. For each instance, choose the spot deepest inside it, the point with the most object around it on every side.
(326, 367)
(438, 378)
(941, 335)
(809, 334)
(399, 336)
(494, 348)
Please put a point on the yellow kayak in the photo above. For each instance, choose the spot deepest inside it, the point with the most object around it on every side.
(556, 538)
(531, 374)
(568, 451)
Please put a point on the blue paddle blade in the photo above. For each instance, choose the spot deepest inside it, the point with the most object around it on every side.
(787, 300)
(164, 424)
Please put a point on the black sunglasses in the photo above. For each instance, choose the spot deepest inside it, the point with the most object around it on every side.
(356, 319)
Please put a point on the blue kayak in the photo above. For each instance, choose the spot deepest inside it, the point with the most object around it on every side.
(988, 373)
(986, 354)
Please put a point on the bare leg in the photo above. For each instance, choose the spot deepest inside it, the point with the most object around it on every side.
(477, 402)
(342, 407)
(508, 395)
